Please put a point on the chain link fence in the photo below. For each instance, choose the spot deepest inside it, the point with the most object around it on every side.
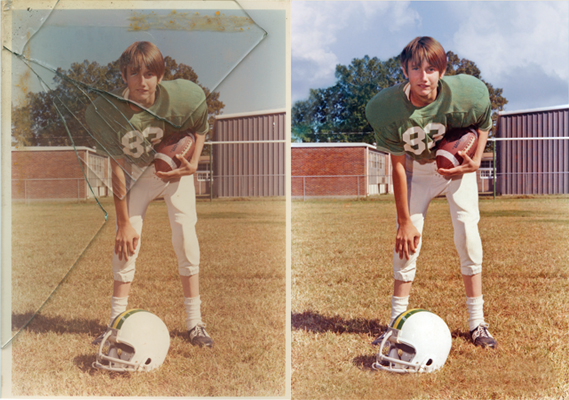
(54, 189)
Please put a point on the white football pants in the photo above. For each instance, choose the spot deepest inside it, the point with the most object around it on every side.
(180, 200)
(423, 185)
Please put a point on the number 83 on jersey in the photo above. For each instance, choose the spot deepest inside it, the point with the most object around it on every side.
(416, 139)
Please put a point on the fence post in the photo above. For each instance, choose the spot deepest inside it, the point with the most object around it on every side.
(303, 188)
(211, 173)
(494, 169)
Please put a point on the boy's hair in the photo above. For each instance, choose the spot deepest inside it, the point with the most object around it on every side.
(139, 54)
(424, 48)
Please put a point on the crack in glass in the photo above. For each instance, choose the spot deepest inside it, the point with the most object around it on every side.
(67, 89)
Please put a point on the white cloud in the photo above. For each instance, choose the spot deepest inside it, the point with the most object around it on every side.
(318, 26)
(314, 27)
(401, 16)
(527, 33)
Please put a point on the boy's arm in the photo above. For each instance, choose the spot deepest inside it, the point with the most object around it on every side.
(407, 239)
(186, 167)
(469, 164)
(126, 238)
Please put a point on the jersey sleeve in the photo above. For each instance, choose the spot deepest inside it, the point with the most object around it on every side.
(379, 112)
(472, 97)
(200, 118)
(485, 119)
(188, 99)
(388, 144)
(100, 122)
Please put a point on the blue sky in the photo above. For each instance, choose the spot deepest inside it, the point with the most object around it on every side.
(519, 46)
(73, 35)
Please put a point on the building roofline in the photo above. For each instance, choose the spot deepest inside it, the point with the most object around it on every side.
(326, 144)
(53, 148)
(251, 114)
(552, 108)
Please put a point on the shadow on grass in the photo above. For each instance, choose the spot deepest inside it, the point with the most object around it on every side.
(365, 362)
(41, 324)
(85, 363)
(460, 334)
(312, 321)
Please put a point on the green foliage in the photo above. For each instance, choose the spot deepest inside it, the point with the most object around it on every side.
(337, 113)
(44, 117)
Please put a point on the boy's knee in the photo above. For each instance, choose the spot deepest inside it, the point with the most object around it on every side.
(188, 270)
(470, 270)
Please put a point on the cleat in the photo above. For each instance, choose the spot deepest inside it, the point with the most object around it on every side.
(199, 336)
(481, 337)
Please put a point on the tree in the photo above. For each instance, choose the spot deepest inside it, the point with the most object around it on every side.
(46, 117)
(337, 113)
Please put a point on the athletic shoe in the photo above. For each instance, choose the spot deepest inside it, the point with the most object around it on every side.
(199, 337)
(481, 337)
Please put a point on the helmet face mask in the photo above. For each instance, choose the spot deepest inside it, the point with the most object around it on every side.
(417, 341)
(137, 340)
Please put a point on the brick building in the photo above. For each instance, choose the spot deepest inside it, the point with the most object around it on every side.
(54, 173)
(41, 173)
(338, 170)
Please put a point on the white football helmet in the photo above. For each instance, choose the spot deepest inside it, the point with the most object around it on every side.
(137, 340)
(418, 341)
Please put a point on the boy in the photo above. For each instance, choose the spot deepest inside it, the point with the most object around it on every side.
(127, 126)
(408, 120)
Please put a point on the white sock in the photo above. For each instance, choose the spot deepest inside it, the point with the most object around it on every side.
(398, 305)
(475, 311)
(193, 311)
(118, 306)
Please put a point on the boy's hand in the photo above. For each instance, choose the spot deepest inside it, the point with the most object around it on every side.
(185, 168)
(468, 165)
(126, 242)
(407, 240)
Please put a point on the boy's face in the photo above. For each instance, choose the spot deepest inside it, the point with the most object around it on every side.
(142, 85)
(424, 80)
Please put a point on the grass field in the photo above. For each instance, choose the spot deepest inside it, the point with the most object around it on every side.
(47, 239)
(243, 288)
(342, 283)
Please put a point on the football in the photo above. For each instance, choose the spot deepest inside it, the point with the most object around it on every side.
(165, 159)
(455, 140)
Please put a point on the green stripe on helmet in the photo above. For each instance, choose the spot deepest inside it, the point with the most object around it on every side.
(401, 318)
(119, 320)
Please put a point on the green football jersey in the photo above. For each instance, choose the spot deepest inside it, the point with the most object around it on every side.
(401, 128)
(180, 105)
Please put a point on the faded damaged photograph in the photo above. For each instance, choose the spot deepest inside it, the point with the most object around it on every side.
(147, 199)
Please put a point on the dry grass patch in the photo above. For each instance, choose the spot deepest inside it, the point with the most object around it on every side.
(42, 243)
(342, 283)
(242, 283)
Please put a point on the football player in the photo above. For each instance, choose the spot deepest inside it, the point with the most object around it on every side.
(127, 124)
(409, 119)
